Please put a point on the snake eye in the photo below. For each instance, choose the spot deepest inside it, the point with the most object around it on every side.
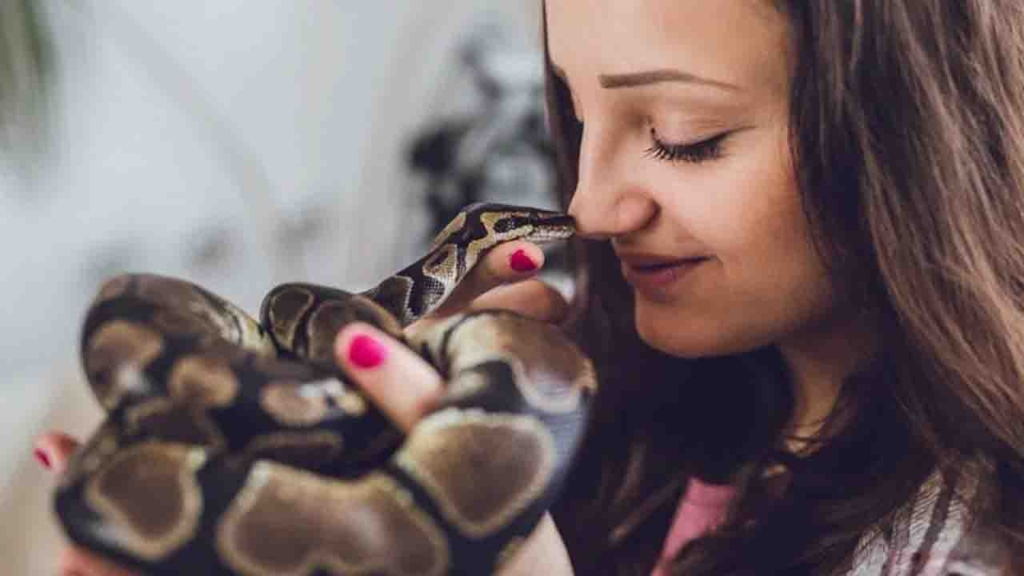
(512, 224)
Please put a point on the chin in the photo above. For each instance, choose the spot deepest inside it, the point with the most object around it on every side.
(689, 336)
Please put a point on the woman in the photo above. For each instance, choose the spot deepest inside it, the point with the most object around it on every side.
(802, 280)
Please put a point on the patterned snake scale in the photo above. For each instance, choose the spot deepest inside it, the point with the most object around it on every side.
(233, 446)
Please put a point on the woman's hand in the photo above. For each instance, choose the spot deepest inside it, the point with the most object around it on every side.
(53, 450)
(405, 387)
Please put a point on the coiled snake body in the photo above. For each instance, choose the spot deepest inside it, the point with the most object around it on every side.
(233, 446)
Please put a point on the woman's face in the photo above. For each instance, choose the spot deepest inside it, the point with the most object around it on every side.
(685, 166)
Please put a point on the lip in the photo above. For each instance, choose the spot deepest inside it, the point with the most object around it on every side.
(657, 272)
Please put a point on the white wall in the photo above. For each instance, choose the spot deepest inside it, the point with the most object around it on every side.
(180, 119)
(181, 116)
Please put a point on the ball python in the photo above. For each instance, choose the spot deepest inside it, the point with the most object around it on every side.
(237, 446)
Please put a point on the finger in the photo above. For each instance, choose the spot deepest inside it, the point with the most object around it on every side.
(533, 298)
(54, 449)
(76, 561)
(396, 380)
(510, 262)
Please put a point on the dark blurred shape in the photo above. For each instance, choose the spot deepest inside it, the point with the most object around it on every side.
(27, 69)
(212, 248)
(117, 255)
(499, 150)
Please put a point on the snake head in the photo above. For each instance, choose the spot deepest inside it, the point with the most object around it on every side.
(534, 224)
(489, 224)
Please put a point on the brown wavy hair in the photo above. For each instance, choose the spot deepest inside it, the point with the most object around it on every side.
(907, 130)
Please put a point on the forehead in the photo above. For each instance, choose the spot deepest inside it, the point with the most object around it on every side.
(742, 42)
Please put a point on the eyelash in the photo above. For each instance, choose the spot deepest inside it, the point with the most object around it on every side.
(695, 153)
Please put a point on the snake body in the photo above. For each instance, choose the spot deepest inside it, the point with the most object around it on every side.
(236, 446)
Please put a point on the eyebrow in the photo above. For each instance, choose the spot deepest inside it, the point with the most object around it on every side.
(613, 81)
(648, 77)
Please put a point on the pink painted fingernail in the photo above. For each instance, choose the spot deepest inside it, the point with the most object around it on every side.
(365, 352)
(520, 262)
(43, 458)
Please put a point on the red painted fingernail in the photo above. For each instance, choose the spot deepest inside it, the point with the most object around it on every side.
(520, 262)
(43, 458)
(365, 352)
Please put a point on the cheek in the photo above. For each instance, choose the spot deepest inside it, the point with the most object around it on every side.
(767, 282)
(769, 258)
(777, 279)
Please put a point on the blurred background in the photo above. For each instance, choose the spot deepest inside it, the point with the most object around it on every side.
(239, 145)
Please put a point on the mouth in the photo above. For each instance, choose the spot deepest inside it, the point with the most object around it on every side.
(549, 234)
(651, 266)
(661, 274)
(552, 226)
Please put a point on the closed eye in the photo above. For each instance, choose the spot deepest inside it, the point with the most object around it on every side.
(693, 152)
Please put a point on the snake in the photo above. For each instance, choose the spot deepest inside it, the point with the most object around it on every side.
(231, 445)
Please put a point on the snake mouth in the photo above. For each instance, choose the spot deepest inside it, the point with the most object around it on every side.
(548, 234)
(550, 226)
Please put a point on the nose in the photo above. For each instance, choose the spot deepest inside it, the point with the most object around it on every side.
(599, 217)
(606, 202)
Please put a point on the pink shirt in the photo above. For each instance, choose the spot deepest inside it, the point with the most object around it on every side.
(701, 509)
